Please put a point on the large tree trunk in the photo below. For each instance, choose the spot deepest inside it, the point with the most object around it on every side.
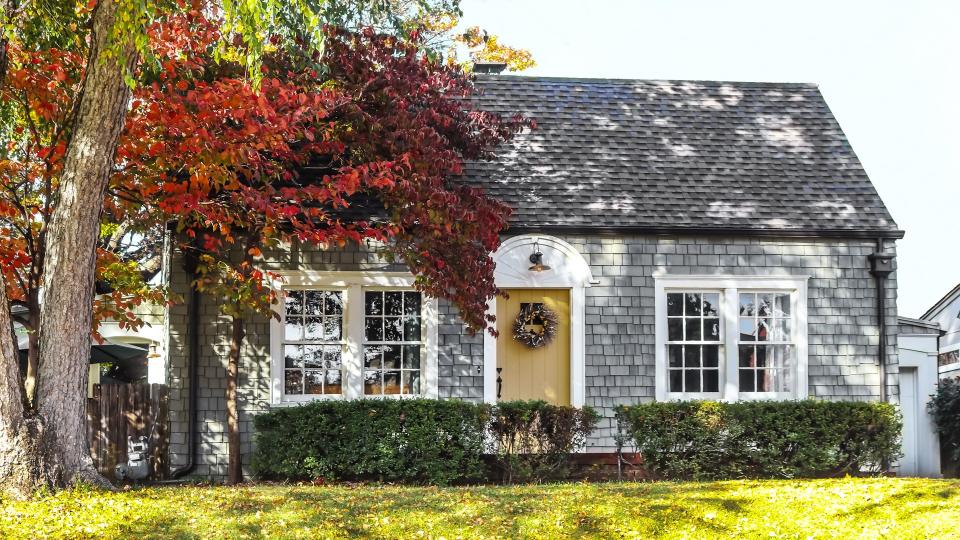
(70, 261)
(234, 470)
(27, 464)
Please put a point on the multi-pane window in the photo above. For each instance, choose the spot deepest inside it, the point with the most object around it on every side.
(765, 348)
(694, 339)
(392, 344)
(731, 337)
(948, 358)
(313, 342)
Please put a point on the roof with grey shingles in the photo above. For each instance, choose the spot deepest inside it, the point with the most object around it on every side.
(693, 155)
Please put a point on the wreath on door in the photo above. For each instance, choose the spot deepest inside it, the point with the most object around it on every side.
(535, 325)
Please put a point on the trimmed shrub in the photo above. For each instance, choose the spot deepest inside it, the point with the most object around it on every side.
(418, 440)
(763, 439)
(532, 440)
(945, 408)
(409, 440)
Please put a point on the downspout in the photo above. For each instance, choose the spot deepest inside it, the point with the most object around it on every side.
(881, 266)
(193, 360)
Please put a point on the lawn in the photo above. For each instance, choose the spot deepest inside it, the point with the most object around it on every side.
(843, 508)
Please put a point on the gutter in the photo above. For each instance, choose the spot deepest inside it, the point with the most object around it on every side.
(193, 359)
(881, 266)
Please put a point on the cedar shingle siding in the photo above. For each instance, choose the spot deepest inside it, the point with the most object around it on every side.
(843, 334)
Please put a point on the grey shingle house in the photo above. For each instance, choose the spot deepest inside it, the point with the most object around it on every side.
(945, 314)
(704, 240)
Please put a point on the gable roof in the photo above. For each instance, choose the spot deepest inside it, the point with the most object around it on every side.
(942, 303)
(608, 154)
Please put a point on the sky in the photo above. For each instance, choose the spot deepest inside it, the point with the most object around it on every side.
(890, 72)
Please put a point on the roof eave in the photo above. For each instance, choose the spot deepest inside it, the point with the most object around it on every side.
(918, 322)
(895, 234)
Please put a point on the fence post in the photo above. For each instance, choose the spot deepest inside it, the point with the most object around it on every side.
(158, 431)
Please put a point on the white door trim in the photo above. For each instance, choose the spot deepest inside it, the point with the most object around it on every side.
(568, 270)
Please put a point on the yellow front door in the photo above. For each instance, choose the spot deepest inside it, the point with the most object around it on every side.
(534, 373)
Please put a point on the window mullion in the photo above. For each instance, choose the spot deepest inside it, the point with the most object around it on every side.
(731, 338)
(353, 333)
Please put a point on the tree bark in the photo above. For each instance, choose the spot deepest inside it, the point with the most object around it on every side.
(234, 464)
(7, 9)
(70, 258)
(33, 344)
(11, 394)
(27, 463)
(234, 470)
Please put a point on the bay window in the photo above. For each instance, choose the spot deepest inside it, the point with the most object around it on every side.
(351, 335)
(730, 337)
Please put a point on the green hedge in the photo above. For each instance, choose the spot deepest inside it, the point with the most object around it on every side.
(532, 440)
(945, 408)
(418, 441)
(785, 439)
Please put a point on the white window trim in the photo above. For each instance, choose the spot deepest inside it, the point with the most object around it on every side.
(729, 286)
(353, 284)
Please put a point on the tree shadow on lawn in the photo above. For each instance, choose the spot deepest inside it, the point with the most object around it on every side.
(444, 507)
(162, 528)
(909, 501)
(504, 509)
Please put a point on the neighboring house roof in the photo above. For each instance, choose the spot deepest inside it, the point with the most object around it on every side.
(677, 155)
(942, 303)
(916, 326)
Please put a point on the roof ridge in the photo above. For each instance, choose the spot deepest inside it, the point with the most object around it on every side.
(760, 84)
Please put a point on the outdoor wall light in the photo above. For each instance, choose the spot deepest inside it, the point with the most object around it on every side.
(537, 258)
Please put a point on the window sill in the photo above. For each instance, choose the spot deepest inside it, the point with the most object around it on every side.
(766, 396)
(392, 396)
(302, 400)
(744, 396)
(695, 396)
(288, 402)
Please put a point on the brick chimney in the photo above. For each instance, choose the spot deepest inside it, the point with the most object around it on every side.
(489, 68)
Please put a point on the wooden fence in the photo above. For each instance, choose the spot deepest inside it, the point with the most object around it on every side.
(118, 412)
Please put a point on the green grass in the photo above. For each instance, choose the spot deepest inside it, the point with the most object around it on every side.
(842, 508)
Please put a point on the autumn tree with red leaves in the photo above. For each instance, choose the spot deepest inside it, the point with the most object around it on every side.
(306, 142)
(370, 149)
(42, 85)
